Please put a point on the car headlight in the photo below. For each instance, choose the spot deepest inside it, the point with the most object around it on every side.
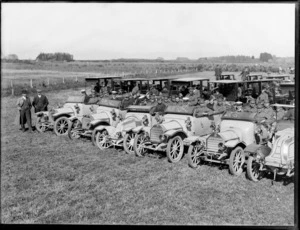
(162, 137)
(221, 146)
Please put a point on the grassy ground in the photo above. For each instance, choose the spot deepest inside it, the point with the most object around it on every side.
(47, 179)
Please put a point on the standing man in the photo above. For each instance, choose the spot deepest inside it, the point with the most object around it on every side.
(262, 97)
(135, 89)
(218, 72)
(40, 102)
(24, 106)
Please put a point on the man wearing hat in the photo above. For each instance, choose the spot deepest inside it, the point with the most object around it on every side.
(262, 97)
(268, 120)
(268, 109)
(86, 97)
(211, 103)
(114, 95)
(166, 98)
(192, 97)
(135, 89)
(280, 113)
(152, 100)
(217, 95)
(103, 89)
(251, 107)
(239, 106)
(159, 108)
(126, 102)
(24, 107)
(220, 107)
(201, 109)
(40, 102)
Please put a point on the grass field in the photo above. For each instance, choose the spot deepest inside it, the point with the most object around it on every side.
(46, 179)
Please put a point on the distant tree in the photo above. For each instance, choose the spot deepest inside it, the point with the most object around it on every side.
(11, 57)
(265, 57)
(55, 57)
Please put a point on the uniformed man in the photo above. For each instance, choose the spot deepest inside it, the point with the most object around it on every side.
(153, 90)
(202, 109)
(211, 103)
(290, 114)
(280, 113)
(159, 108)
(266, 119)
(239, 106)
(135, 89)
(229, 106)
(173, 100)
(262, 97)
(251, 107)
(206, 94)
(103, 89)
(152, 100)
(219, 106)
(114, 95)
(166, 99)
(185, 101)
(217, 95)
(197, 91)
(126, 102)
(268, 109)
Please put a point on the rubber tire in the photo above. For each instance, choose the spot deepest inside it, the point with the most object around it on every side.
(178, 158)
(37, 127)
(250, 174)
(125, 146)
(94, 133)
(192, 163)
(97, 137)
(231, 159)
(135, 146)
(55, 126)
(71, 127)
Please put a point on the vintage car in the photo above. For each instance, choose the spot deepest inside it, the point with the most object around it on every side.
(178, 123)
(57, 119)
(278, 157)
(227, 143)
(121, 134)
(106, 114)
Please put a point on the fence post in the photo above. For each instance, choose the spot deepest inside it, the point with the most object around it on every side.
(31, 83)
(12, 88)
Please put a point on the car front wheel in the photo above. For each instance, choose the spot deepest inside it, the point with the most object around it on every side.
(139, 141)
(61, 126)
(102, 140)
(236, 161)
(193, 155)
(175, 149)
(253, 172)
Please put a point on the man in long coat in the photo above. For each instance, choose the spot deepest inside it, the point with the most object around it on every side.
(40, 102)
(24, 107)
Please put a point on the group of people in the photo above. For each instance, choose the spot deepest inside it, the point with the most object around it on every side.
(40, 103)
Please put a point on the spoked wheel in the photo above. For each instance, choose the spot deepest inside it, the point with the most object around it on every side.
(138, 145)
(236, 161)
(175, 149)
(73, 131)
(128, 142)
(61, 126)
(40, 125)
(253, 172)
(193, 155)
(102, 140)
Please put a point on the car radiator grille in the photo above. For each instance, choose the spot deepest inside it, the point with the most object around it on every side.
(212, 144)
(155, 132)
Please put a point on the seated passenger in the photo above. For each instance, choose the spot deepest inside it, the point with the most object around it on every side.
(201, 109)
(217, 95)
(159, 108)
(126, 102)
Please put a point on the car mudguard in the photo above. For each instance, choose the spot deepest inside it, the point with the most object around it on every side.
(171, 133)
(109, 129)
(252, 148)
(192, 139)
(232, 143)
(72, 118)
(138, 129)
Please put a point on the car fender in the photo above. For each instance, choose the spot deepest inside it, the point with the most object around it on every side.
(252, 148)
(171, 133)
(192, 139)
(232, 143)
(109, 129)
(138, 129)
(72, 118)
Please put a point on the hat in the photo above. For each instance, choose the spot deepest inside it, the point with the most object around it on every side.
(185, 99)
(39, 90)
(142, 96)
(259, 106)
(239, 103)
(82, 91)
(114, 92)
(24, 91)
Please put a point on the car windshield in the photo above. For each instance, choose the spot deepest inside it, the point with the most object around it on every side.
(185, 110)
(109, 103)
(246, 116)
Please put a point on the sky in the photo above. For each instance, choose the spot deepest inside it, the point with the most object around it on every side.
(94, 31)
